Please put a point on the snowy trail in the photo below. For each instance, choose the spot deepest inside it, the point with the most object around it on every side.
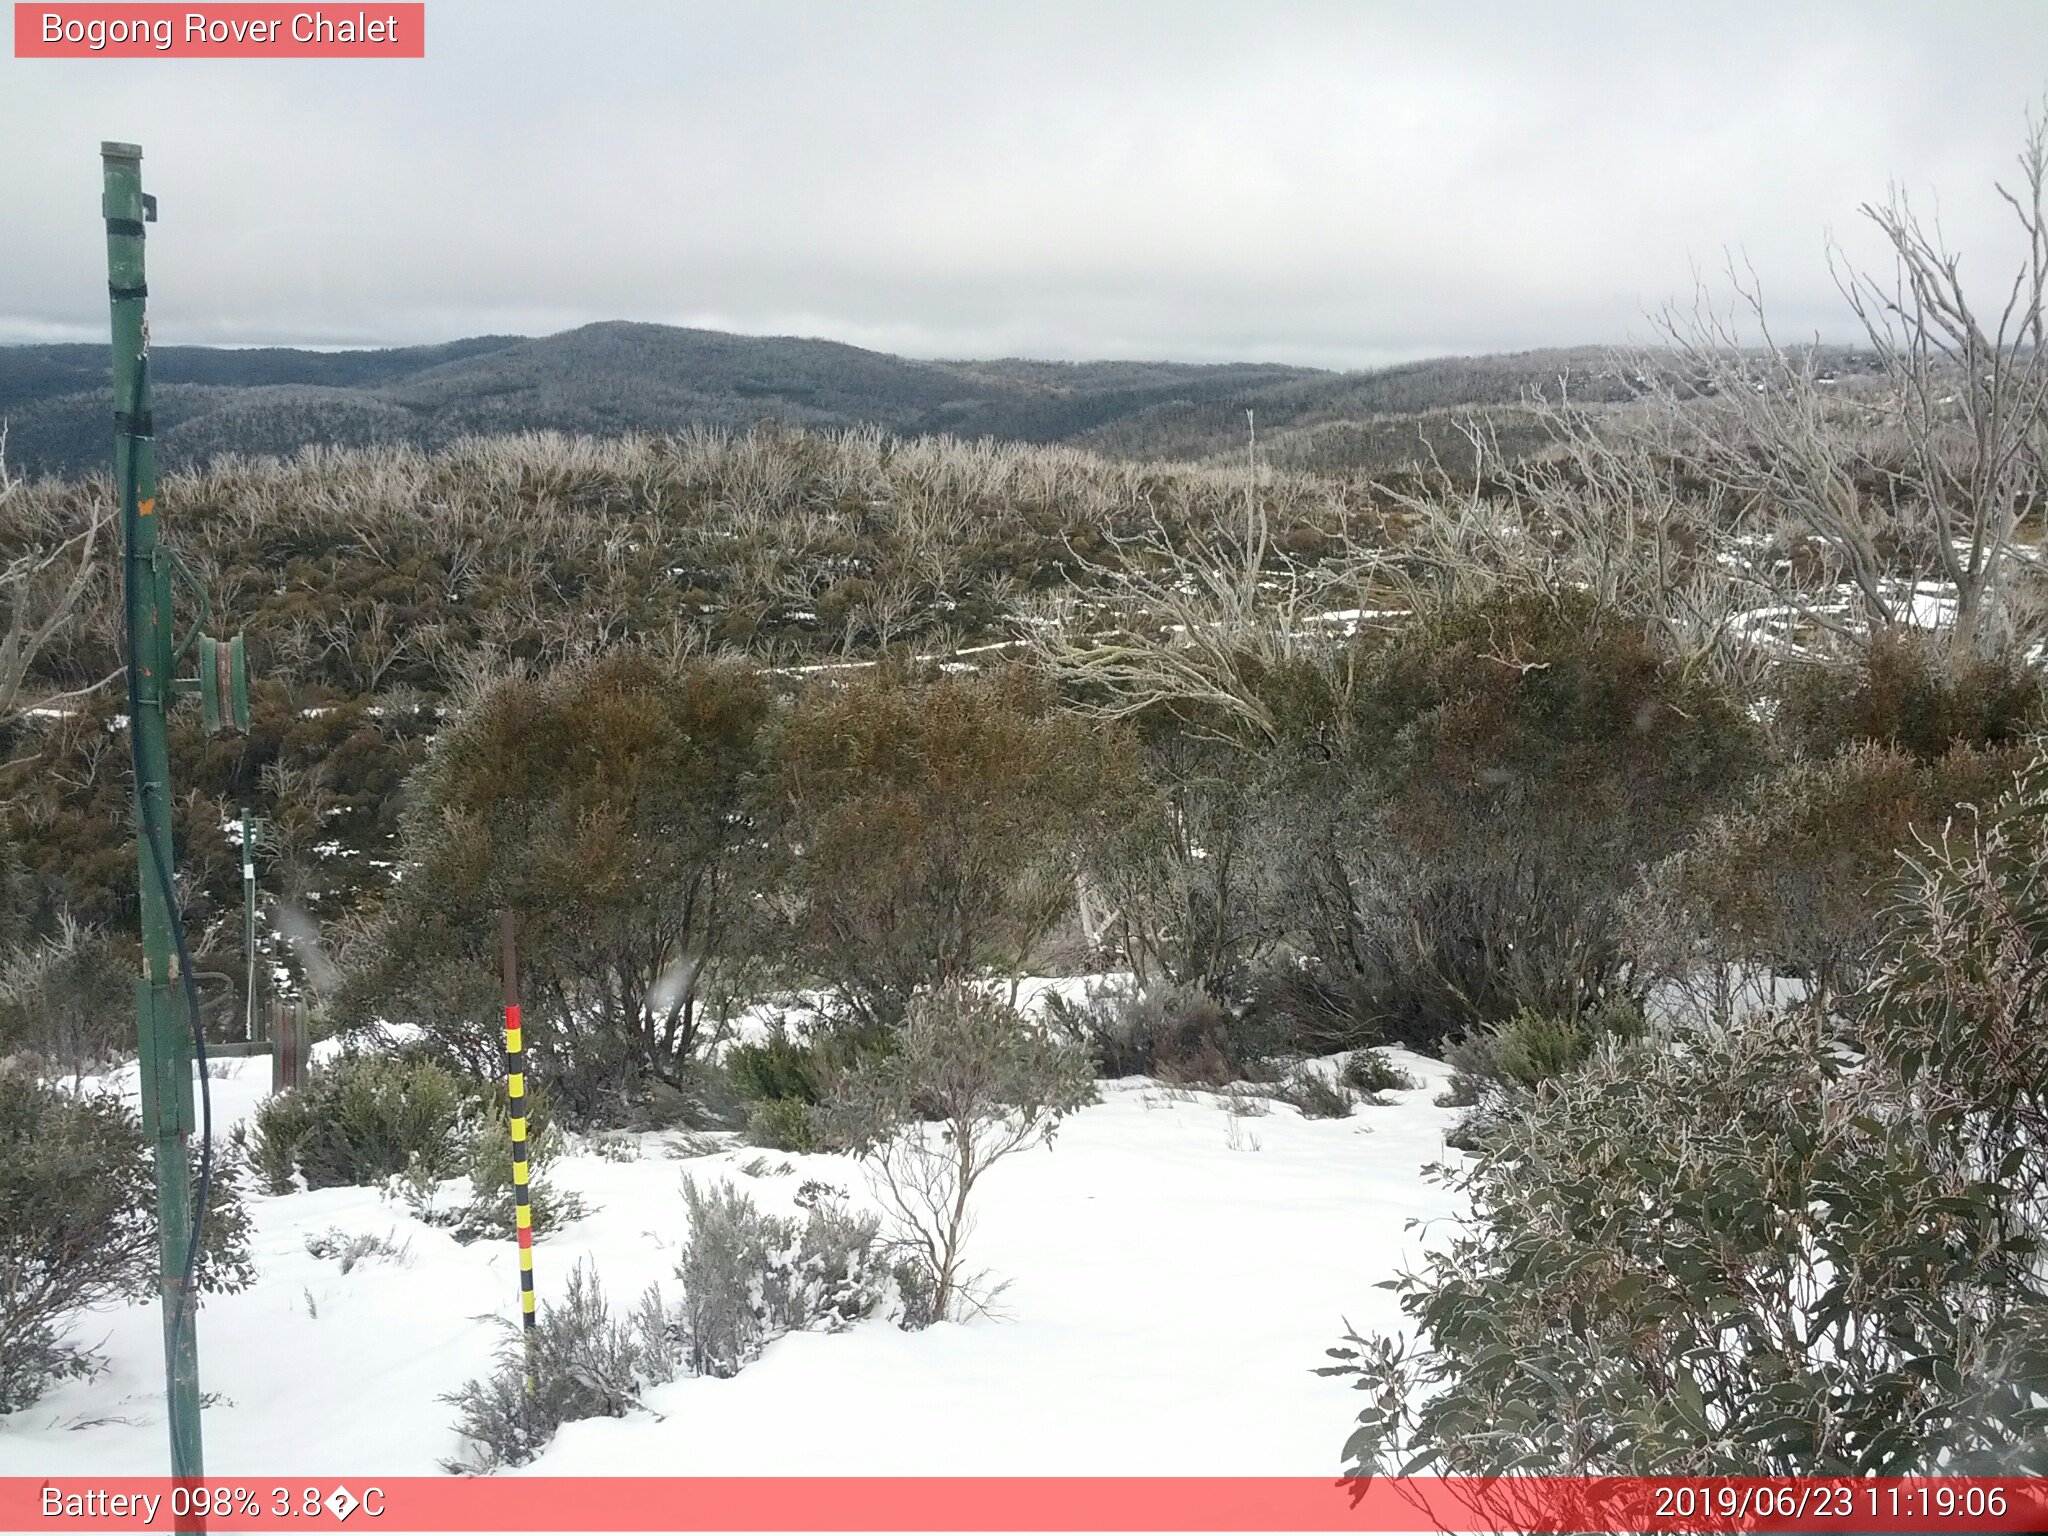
(1175, 1276)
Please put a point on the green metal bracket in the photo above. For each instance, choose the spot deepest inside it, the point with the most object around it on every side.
(223, 686)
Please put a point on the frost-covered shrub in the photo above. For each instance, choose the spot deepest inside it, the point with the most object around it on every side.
(748, 1277)
(582, 1363)
(360, 1119)
(68, 1000)
(78, 1227)
(1743, 1248)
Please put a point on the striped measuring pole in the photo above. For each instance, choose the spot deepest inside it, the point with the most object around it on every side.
(515, 1094)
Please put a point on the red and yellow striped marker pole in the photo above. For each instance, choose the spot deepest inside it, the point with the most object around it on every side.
(515, 1095)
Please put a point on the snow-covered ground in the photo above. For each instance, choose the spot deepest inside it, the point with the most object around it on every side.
(1175, 1271)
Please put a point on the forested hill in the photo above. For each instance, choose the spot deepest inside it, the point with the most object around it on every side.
(620, 377)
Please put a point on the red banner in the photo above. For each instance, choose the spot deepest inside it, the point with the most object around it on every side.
(240, 31)
(534, 1504)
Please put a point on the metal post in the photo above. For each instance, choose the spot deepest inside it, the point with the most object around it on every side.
(248, 925)
(163, 1030)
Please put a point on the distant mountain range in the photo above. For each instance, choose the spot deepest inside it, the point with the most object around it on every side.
(620, 377)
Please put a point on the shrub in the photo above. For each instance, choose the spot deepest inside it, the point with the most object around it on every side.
(348, 1249)
(1316, 1096)
(1371, 1073)
(1794, 880)
(1172, 1031)
(1745, 1249)
(748, 1277)
(360, 1118)
(487, 1160)
(1916, 695)
(777, 1067)
(1508, 768)
(930, 831)
(68, 1000)
(1531, 1049)
(784, 1125)
(581, 1363)
(78, 1227)
(970, 1082)
(607, 805)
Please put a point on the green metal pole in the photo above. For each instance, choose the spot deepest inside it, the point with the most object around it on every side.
(248, 925)
(163, 1032)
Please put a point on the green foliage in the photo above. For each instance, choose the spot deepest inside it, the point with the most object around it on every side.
(607, 805)
(1371, 1073)
(360, 1118)
(78, 1227)
(1744, 1249)
(1794, 879)
(1916, 696)
(784, 1125)
(930, 831)
(1510, 766)
(778, 1067)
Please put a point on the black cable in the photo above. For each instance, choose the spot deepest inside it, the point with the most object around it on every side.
(131, 494)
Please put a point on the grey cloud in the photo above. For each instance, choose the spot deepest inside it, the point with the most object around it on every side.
(1341, 184)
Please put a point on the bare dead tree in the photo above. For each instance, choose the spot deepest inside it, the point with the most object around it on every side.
(1924, 479)
(40, 587)
(1201, 618)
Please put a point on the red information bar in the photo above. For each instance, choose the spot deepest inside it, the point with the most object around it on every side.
(537, 1504)
(372, 30)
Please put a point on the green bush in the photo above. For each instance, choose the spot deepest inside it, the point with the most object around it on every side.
(78, 1227)
(360, 1118)
(1462, 843)
(1915, 694)
(784, 1125)
(1742, 1248)
(778, 1067)
(487, 1160)
(930, 831)
(1371, 1073)
(1533, 1048)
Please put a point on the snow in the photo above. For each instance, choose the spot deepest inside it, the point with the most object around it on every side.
(1175, 1274)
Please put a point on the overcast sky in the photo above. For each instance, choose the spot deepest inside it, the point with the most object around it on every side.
(1339, 184)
